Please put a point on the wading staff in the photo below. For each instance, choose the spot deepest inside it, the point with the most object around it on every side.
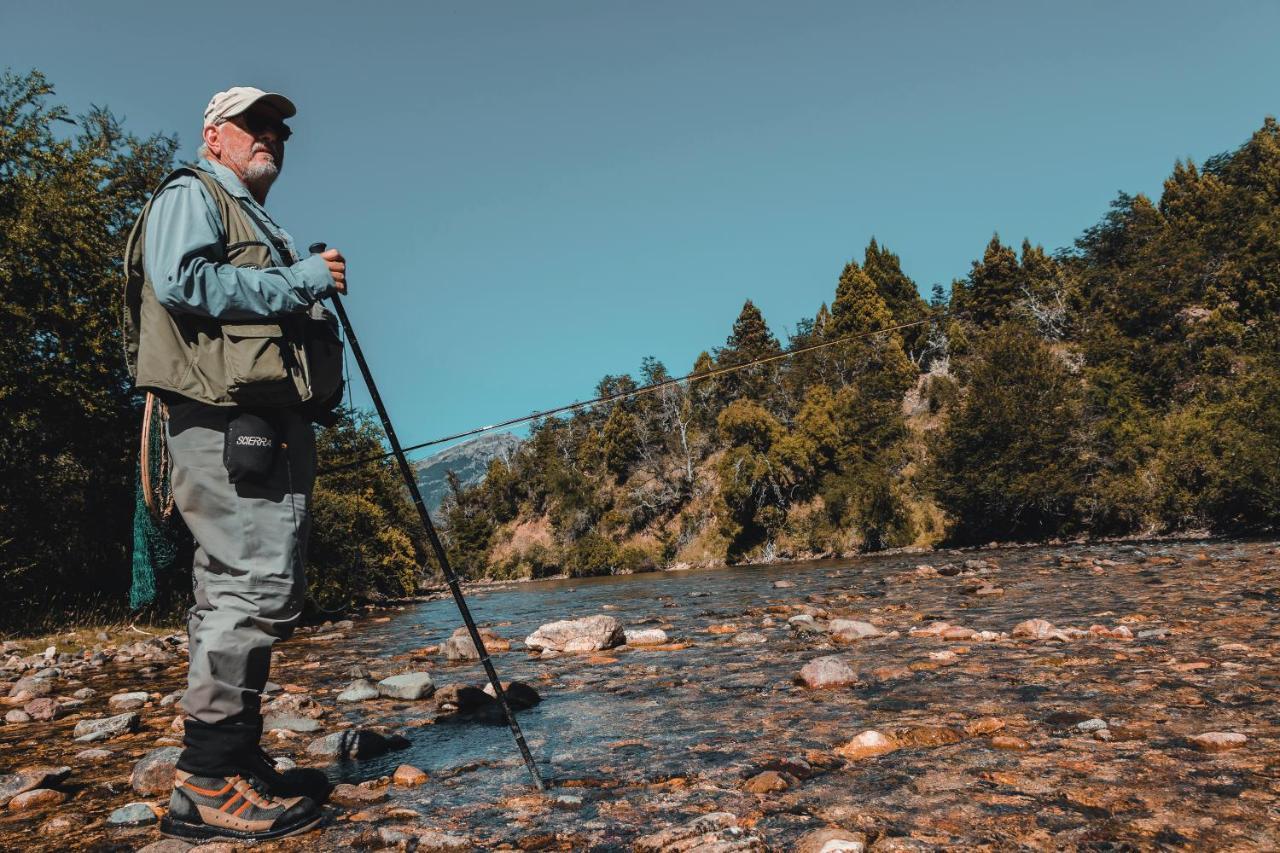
(449, 576)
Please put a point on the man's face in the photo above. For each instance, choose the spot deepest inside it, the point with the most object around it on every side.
(252, 145)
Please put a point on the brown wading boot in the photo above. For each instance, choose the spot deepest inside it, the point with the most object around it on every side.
(236, 807)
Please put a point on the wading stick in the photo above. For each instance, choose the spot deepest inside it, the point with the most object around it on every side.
(449, 576)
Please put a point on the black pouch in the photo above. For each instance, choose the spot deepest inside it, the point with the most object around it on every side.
(249, 451)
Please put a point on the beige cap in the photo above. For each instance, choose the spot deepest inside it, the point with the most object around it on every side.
(237, 99)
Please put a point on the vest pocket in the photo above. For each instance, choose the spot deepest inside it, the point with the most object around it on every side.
(253, 354)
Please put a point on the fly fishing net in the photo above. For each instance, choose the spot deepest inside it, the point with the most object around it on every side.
(157, 527)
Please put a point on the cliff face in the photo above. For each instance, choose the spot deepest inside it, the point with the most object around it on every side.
(469, 460)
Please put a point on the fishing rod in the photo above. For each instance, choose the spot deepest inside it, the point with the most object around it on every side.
(636, 392)
(452, 579)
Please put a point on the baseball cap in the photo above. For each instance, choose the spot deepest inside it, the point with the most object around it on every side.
(237, 99)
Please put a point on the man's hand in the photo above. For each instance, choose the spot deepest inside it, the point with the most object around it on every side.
(337, 268)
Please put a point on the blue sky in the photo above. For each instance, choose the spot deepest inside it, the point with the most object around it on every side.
(534, 194)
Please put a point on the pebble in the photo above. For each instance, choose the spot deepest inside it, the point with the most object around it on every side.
(167, 845)
(750, 638)
(783, 585)
(1092, 725)
(17, 717)
(134, 814)
(87, 731)
(410, 686)
(867, 745)
(1010, 743)
(829, 671)
(1218, 741)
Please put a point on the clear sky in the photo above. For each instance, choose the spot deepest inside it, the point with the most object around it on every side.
(534, 194)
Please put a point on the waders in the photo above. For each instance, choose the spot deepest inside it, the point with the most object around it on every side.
(452, 579)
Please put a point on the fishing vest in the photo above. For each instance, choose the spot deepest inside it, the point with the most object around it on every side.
(269, 362)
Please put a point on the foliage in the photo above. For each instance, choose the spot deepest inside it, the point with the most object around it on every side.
(69, 191)
(365, 541)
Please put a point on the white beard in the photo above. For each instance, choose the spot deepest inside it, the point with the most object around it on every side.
(260, 176)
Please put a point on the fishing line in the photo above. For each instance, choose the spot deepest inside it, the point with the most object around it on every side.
(688, 378)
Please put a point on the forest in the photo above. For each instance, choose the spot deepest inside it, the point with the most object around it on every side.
(1125, 385)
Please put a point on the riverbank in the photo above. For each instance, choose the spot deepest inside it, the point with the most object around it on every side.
(786, 701)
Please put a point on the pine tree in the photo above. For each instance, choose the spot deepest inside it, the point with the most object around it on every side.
(900, 295)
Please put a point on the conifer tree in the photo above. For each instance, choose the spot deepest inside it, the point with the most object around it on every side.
(900, 295)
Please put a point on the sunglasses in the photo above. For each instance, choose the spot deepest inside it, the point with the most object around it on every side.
(257, 124)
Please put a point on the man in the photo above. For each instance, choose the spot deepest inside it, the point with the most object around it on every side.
(221, 325)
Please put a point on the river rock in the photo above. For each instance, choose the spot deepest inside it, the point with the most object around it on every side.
(460, 646)
(829, 671)
(1218, 741)
(93, 756)
(134, 814)
(768, 782)
(288, 723)
(750, 638)
(409, 686)
(831, 841)
(519, 694)
(104, 728)
(867, 745)
(128, 701)
(29, 779)
(32, 686)
(646, 637)
(17, 717)
(850, 630)
(717, 831)
(356, 795)
(783, 584)
(592, 634)
(349, 744)
(43, 709)
(166, 845)
(40, 798)
(153, 774)
(408, 776)
(1037, 629)
(359, 690)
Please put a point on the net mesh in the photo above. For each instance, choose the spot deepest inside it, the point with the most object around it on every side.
(156, 527)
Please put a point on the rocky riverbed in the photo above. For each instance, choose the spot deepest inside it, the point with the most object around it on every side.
(1099, 697)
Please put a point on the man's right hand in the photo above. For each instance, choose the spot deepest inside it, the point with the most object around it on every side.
(337, 268)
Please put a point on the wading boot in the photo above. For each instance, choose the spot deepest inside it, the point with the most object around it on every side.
(236, 807)
(294, 782)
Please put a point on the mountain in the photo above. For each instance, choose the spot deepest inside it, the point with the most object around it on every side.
(469, 460)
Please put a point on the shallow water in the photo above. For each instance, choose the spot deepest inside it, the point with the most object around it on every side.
(651, 738)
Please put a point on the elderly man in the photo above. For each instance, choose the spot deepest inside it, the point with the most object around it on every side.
(223, 325)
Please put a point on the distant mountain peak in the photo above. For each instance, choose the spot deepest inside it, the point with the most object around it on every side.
(469, 460)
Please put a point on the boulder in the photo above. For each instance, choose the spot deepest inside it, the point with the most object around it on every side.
(410, 686)
(592, 634)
